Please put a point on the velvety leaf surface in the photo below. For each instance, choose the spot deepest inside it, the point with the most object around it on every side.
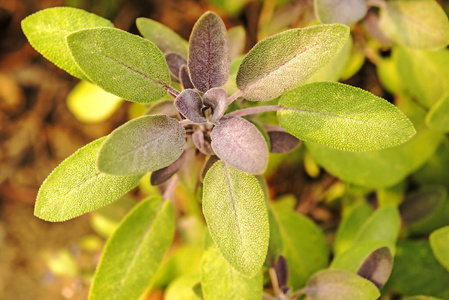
(284, 61)
(163, 107)
(237, 142)
(201, 143)
(164, 174)
(189, 104)
(418, 23)
(142, 145)
(166, 39)
(184, 78)
(282, 142)
(76, 187)
(142, 239)
(438, 116)
(175, 62)
(439, 241)
(340, 285)
(209, 61)
(47, 30)
(121, 63)
(304, 245)
(218, 100)
(236, 215)
(343, 117)
(377, 267)
(222, 282)
(343, 11)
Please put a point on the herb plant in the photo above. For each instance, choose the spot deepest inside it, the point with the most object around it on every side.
(204, 119)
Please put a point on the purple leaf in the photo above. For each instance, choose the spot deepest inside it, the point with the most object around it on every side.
(202, 144)
(218, 100)
(281, 268)
(189, 104)
(175, 62)
(209, 60)
(377, 267)
(237, 142)
(282, 141)
(184, 78)
(164, 174)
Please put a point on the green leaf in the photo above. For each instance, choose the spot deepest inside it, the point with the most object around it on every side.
(237, 218)
(222, 282)
(182, 288)
(340, 285)
(141, 240)
(166, 39)
(438, 116)
(284, 61)
(76, 187)
(343, 117)
(435, 171)
(121, 63)
(47, 30)
(378, 168)
(439, 241)
(142, 145)
(304, 245)
(417, 23)
(343, 11)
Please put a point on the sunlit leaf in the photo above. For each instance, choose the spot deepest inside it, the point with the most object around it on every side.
(142, 145)
(382, 225)
(439, 241)
(182, 288)
(236, 215)
(438, 116)
(189, 104)
(343, 11)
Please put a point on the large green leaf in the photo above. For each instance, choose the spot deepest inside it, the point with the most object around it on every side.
(121, 63)
(142, 145)
(439, 241)
(343, 11)
(284, 61)
(47, 30)
(237, 218)
(343, 117)
(222, 282)
(139, 244)
(438, 116)
(76, 187)
(304, 245)
(415, 23)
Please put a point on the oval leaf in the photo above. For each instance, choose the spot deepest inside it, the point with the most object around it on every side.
(282, 142)
(237, 218)
(189, 104)
(217, 99)
(340, 285)
(142, 239)
(175, 63)
(343, 117)
(284, 61)
(439, 241)
(438, 116)
(47, 30)
(237, 142)
(342, 11)
(377, 267)
(142, 145)
(209, 60)
(121, 63)
(76, 187)
(184, 78)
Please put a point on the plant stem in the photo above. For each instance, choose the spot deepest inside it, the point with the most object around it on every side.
(254, 110)
(376, 3)
(172, 91)
(234, 96)
(168, 193)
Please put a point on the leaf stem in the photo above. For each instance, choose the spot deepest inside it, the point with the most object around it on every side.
(168, 193)
(376, 3)
(172, 91)
(254, 110)
(235, 96)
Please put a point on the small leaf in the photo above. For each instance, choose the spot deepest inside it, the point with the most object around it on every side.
(343, 117)
(340, 285)
(417, 24)
(217, 99)
(236, 215)
(76, 187)
(237, 142)
(175, 63)
(47, 30)
(184, 78)
(142, 239)
(439, 241)
(343, 11)
(377, 267)
(166, 39)
(201, 143)
(121, 63)
(162, 175)
(209, 61)
(438, 116)
(282, 142)
(189, 104)
(286, 60)
(219, 281)
(281, 269)
(142, 145)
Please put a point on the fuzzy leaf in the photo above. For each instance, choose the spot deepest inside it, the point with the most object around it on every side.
(340, 285)
(175, 63)
(377, 267)
(439, 241)
(209, 61)
(142, 239)
(438, 116)
(237, 142)
(286, 60)
(218, 100)
(417, 24)
(220, 281)
(164, 174)
(282, 142)
(202, 144)
(142, 145)
(76, 187)
(121, 63)
(189, 104)
(237, 218)
(343, 11)
(343, 117)
(166, 39)
(184, 78)
(47, 30)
